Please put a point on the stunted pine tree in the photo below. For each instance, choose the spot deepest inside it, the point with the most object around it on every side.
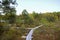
(8, 7)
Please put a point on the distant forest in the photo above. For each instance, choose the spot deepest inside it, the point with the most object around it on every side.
(30, 19)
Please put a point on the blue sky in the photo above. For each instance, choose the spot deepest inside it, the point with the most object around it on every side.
(38, 5)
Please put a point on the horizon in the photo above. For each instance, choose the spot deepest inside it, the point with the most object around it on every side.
(38, 6)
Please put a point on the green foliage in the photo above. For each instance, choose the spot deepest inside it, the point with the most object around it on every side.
(26, 18)
(51, 22)
(8, 9)
(9, 16)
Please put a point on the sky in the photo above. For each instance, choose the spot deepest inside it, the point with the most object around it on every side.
(38, 6)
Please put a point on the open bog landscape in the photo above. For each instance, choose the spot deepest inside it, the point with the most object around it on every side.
(29, 20)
